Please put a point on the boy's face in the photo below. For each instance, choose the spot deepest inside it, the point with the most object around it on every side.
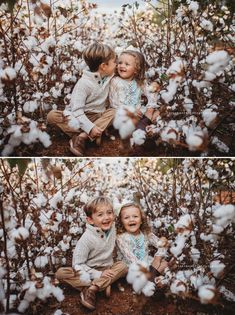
(109, 67)
(103, 217)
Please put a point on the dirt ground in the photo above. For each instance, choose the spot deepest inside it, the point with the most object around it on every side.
(123, 303)
(112, 148)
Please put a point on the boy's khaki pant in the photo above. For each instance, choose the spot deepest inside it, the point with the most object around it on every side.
(69, 276)
(101, 120)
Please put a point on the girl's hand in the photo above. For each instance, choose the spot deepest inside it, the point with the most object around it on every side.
(139, 113)
(108, 273)
(160, 264)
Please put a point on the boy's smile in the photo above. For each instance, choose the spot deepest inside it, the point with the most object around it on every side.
(102, 218)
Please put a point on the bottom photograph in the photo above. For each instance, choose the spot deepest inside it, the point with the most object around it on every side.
(117, 236)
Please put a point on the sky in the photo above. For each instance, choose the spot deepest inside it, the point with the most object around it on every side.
(110, 6)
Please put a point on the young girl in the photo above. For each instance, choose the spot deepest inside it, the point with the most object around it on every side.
(128, 87)
(134, 238)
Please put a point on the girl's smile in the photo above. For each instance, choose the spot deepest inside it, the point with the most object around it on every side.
(131, 219)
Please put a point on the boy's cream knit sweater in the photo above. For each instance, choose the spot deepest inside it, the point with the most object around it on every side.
(94, 249)
(90, 94)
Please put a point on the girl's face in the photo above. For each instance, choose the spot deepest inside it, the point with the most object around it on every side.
(126, 67)
(131, 219)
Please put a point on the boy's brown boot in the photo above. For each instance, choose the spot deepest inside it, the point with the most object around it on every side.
(77, 145)
(88, 298)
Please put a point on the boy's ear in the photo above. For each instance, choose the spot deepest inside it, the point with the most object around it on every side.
(102, 66)
(89, 220)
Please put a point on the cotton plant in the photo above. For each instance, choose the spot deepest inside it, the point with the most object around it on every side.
(137, 277)
(125, 121)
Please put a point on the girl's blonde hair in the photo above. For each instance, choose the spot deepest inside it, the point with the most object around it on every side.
(140, 64)
(144, 227)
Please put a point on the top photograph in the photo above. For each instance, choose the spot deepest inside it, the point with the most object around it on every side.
(117, 78)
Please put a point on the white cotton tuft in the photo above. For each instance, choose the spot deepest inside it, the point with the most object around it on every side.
(195, 139)
(169, 134)
(217, 268)
(149, 289)
(206, 25)
(23, 306)
(30, 106)
(58, 293)
(8, 74)
(193, 6)
(209, 117)
(178, 287)
(138, 278)
(185, 221)
(20, 233)
(138, 137)
(44, 138)
(206, 293)
(123, 122)
(41, 261)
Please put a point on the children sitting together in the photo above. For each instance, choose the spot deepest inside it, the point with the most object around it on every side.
(93, 268)
(100, 92)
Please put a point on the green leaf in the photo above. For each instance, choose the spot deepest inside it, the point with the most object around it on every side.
(22, 164)
(171, 228)
(164, 77)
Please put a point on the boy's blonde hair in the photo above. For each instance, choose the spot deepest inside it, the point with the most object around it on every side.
(140, 64)
(96, 54)
(92, 206)
(144, 227)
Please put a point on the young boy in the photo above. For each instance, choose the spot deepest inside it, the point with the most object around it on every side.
(93, 254)
(88, 99)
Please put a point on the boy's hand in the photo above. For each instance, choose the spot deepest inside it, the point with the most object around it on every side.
(108, 273)
(95, 132)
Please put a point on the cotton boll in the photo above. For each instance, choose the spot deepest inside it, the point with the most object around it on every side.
(125, 121)
(138, 137)
(58, 293)
(41, 261)
(196, 139)
(206, 293)
(178, 287)
(195, 255)
(169, 134)
(209, 116)
(221, 146)
(178, 245)
(217, 268)
(196, 281)
(8, 150)
(193, 6)
(149, 289)
(23, 306)
(20, 234)
(139, 283)
(208, 76)
(30, 106)
(8, 74)
(185, 222)
(133, 272)
(206, 25)
(225, 211)
(126, 129)
(44, 138)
